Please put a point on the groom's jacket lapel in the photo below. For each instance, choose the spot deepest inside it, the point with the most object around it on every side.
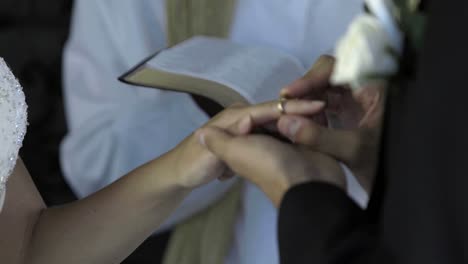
(425, 151)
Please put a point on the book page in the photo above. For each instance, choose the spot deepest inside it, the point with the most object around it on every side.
(256, 73)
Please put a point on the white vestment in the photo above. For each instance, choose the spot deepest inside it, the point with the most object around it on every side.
(115, 128)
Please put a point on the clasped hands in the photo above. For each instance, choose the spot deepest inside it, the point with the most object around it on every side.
(275, 166)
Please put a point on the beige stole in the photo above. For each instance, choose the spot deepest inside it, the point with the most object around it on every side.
(206, 237)
(188, 18)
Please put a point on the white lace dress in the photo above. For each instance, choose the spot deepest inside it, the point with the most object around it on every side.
(13, 122)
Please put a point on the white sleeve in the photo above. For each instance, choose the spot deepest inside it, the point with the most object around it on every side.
(113, 127)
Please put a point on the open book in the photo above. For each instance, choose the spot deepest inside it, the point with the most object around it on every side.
(218, 69)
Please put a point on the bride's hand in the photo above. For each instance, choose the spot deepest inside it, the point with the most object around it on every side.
(193, 165)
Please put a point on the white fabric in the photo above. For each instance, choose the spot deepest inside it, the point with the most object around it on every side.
(13, 121)
(380, 9)
(115, 127)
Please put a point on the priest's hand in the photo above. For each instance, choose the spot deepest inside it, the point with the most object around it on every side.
(351, 131)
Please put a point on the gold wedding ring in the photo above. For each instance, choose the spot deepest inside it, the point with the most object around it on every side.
(282, 105)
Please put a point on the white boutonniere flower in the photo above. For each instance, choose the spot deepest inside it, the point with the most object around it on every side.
(369, 51)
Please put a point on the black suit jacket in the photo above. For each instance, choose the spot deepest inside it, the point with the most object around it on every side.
(420, 211)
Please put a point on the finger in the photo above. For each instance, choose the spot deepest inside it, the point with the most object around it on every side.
(371, 98)
(242, 127)
(316, 80)
(238, 105)
(246, 126)
(201, 135)
(249, 157)
(216, 140)
(265, 117)
(267, 112)
(234, 151)
(340, 144)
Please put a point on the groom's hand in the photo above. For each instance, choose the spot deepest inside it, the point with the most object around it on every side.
(357, 118)
(354, 135)
(272, 165)
(194, 165)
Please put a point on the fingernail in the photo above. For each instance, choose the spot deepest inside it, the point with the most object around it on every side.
(292, 126)
(245, 125)
(201, 138)
(318, 104)
(312, 107)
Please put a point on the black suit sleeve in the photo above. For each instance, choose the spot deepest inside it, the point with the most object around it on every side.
(318, 223)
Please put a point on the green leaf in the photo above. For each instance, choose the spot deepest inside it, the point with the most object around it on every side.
(402, 5)
(411, 22)
(416, 26)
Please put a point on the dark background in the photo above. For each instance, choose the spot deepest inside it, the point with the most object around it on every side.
(32, 35)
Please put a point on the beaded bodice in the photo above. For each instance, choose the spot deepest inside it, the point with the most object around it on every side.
(13, 122)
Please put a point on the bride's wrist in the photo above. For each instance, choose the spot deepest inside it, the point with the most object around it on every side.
(163, 178)
(188, 164)
(179, 174)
